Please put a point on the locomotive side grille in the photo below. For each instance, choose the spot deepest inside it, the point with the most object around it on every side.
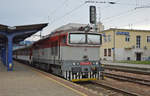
(76, 69)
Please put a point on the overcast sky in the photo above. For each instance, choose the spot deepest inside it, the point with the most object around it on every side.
(60, 12)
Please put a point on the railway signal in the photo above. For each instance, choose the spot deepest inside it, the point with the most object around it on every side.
(92, 14)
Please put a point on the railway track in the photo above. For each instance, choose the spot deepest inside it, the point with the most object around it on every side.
(127, 78)
(111, 90)
(142, 71)
(125, 92)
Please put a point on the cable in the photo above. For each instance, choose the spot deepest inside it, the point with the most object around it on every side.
(68, 13)
(135, 23)
(59, 7)
(119, 14)
(54, 11)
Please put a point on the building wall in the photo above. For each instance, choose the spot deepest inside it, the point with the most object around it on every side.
(107, 44)
(120, 48)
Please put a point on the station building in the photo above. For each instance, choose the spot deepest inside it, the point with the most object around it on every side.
(125, 44)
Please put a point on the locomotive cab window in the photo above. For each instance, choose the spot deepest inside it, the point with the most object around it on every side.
(85, 38)
(77, 38)
(93, 39)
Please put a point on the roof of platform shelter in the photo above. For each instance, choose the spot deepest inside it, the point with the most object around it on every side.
(4, 28)
(27, 31)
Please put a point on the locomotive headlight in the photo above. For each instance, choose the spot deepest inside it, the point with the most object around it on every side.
(93, 63)
(74, 63)
(78, 63)
(96, 63)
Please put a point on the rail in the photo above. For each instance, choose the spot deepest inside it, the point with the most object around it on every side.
(143, 71)
(127, 78)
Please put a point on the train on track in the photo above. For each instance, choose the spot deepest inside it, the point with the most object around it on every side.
(71, 54)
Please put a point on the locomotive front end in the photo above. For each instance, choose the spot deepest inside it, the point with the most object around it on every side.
(83, 70)
(81, 61)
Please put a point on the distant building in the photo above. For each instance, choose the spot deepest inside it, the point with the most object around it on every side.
(125, 44)
(100, 27)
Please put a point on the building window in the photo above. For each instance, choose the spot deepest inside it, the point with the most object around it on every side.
(105, 52)
(148, 39)
(127, 38)
(138, 41)
(109, 52)
(105, 38)
(109, 38)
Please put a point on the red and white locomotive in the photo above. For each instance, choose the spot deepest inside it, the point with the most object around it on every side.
(72, 54)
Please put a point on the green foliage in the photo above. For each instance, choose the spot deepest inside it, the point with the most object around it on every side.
(134, 62)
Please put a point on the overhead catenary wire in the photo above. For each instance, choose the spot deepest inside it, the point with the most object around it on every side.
(135, 23)
(123, 13)
(104, 19)
(58, 8)
(52, 13)
(67, 13)
(118, 15)
(112, 2)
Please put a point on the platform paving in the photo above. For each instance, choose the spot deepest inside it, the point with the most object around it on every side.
(23, 81)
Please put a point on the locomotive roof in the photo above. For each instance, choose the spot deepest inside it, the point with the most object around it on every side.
(71, 27)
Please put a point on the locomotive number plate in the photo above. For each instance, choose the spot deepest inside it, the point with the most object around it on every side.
(85, 63)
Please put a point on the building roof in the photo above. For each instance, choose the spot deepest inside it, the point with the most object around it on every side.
(127, 30)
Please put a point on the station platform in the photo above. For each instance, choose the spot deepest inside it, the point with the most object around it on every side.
(27, 81)
(127, 64)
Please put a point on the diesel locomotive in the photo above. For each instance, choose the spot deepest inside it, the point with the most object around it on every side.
(72, 54)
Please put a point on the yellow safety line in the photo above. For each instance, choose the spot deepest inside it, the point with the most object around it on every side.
(75, 80)
(83, 94)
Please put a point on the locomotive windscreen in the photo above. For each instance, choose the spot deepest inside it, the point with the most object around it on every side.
(85, 38)
(77, 38)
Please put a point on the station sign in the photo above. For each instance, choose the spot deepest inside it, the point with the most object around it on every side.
(122, 33)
